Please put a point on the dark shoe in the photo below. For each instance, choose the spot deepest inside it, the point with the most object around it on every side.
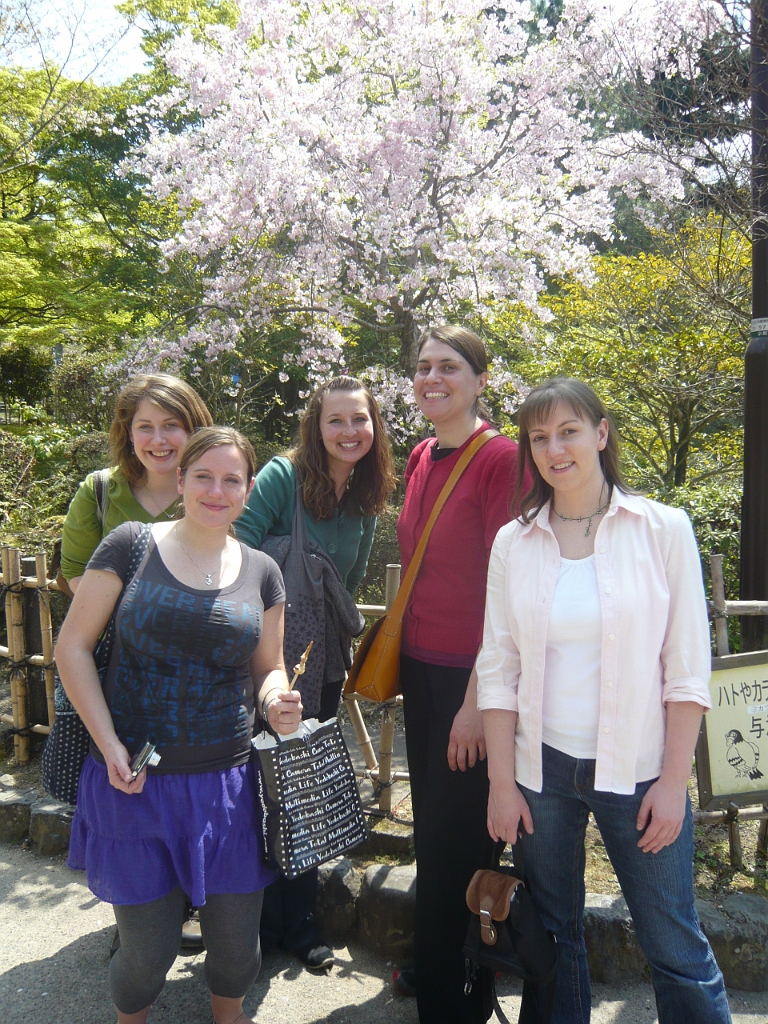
(316, 958)
(404, 980)
(191, 935)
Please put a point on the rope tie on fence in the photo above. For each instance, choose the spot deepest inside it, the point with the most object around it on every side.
(17, 666)
(11, 588)
(26, 731)
(369, 776)
(720, 615)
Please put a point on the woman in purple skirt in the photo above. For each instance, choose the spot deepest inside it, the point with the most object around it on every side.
(198, 648)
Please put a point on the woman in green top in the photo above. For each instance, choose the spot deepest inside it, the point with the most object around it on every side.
(154, 416)
(343, 461)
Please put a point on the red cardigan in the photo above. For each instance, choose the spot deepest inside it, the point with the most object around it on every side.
(443, 624)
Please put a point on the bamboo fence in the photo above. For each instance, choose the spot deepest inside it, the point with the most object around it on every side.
(13, 587)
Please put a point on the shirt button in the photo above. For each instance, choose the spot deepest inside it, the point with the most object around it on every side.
(606, 729)
(609, 682)
(602, 551)
(611, 636)
(607, 590)
(331, 549)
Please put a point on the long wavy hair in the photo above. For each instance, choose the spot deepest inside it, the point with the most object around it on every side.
(373, 478)
(173, 395)
(586, 404)
(468, 345)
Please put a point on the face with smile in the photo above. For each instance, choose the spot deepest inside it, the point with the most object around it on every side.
(158, 438)
(566, 449)
(215, 487)
(346, 428)
(445, 385)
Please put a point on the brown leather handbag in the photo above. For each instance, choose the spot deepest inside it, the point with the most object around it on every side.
(375, 672)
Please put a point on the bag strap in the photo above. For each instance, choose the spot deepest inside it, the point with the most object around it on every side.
(395, 614)
(101, 480)
(103, 650)
(299, 538)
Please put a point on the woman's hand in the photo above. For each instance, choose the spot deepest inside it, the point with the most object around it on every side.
(466, 745)
(663, 812)
(284, 711)
(119, 769)
(507, 808)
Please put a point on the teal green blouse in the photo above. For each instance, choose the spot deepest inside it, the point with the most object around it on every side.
(346, 538)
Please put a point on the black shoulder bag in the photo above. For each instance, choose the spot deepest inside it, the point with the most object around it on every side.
(67, 745)
(506, 936)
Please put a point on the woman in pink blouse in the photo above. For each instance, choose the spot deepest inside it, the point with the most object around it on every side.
(592, 680)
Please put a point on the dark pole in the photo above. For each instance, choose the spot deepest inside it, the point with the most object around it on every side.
(754, 522)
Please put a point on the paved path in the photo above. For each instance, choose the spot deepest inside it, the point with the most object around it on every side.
(54, 940)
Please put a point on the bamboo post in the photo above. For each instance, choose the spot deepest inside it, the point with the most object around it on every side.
(718, 604)
(14, 617)
(722, 647)
(387, 739)
(361, 733)
(46, 630)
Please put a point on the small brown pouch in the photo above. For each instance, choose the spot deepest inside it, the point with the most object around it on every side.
(489, 895)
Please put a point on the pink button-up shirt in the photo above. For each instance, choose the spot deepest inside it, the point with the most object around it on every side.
(655, 643)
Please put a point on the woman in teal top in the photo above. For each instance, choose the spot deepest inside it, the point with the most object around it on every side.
(343, 461)
(346, 537)
(154, 416)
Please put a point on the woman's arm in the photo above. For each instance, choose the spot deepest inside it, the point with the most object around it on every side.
(270, 505)
(91, 608)
(280, 706)
(507, 807)
(357, 572)
(663, 806)
(81, 533)
(466, 744)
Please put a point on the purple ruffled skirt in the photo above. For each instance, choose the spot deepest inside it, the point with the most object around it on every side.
(199, 831)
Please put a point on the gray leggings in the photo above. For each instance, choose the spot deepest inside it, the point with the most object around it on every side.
(150, 936)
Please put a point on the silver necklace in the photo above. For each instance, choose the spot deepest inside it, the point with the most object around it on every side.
(580, 519)
(208, 575)
(163, 511)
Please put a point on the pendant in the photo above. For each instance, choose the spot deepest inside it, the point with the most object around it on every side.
(208, 579)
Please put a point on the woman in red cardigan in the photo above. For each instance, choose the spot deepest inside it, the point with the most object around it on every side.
(442, 631)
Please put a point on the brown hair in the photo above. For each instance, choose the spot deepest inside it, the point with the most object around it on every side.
(172, 394)
(205, 438)
(535, 409)
(373, 478)
(468, 345)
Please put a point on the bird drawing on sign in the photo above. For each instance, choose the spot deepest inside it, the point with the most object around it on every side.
(742, 755)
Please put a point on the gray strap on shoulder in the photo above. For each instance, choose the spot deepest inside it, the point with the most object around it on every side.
(101, 490)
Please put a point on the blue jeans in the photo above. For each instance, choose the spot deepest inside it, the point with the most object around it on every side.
(658, 888)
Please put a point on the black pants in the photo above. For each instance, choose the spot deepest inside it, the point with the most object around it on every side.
(288, 918)
(451, 836)
(150, 936)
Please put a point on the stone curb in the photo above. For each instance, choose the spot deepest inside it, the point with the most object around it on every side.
(384, 901)
(27, 814)
(376, 906)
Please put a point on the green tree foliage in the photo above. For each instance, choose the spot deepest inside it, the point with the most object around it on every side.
(24, 374)
(669, 363)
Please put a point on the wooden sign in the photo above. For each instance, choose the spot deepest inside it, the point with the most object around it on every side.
(732, 751)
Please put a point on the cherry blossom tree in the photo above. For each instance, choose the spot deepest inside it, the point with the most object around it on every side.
(387, 163)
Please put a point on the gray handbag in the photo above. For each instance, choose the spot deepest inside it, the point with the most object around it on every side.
(304, 610)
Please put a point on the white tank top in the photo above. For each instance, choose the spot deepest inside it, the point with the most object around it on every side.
(571, 707)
